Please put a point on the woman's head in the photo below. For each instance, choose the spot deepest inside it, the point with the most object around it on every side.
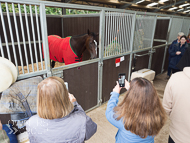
(183, 39)
(53, 99)
(141, 110)
(188, 37)
(179, 35)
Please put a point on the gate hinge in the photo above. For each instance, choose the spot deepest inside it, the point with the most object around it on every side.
(101, 64)
(100, 101)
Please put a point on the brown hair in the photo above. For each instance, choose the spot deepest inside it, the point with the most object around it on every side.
(141, 110)
(188, 36)
(53, 99)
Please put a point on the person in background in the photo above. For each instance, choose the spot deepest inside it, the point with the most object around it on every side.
(169, 50)
(176, 102)
(188, 38)
(140, 116)
(3, 135)
(59, 118)
(177, 52)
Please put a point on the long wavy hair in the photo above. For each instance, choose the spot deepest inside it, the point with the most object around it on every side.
(53, 99)
(141, 110)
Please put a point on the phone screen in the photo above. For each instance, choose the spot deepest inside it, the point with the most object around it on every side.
(121, 80)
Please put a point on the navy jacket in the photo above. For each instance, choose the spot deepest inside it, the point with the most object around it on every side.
(170, 48)
(176, 58)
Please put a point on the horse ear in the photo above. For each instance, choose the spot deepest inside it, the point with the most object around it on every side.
(88, 32)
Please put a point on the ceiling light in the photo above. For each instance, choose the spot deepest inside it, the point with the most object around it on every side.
(187, 11)
(172, 8)
(152, 4)
(140, 1)
(163, 0)
(184, 5)
(180, 9)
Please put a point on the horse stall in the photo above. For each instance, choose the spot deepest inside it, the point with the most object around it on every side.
(128, 41)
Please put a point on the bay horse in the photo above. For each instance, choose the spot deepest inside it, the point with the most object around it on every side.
(70, 49)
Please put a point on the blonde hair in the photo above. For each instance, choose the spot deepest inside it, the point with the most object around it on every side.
(53, 99)
(141, 110)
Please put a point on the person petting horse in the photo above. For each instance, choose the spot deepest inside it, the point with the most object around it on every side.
(70, 49)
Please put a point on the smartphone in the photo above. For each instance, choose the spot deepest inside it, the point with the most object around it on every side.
(121, 80)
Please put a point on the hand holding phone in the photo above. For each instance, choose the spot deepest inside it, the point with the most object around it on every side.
(117, 88)
(72, 98)
(121, 80)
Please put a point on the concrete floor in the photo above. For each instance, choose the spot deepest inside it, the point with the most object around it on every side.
(106, 132)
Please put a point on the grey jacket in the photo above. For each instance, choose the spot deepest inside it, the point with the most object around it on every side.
(74, 128)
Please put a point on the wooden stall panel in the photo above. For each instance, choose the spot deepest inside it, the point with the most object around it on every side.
(140, 62)
(83, 84)
(54, 26)
(157, 58)
(161, 29)
(110, 75)
(80, 25)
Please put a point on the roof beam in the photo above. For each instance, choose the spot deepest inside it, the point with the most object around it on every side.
(127, 3)
(167, 6)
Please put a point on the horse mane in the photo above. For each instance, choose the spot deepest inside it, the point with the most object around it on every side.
(91, 33)
(76, 36)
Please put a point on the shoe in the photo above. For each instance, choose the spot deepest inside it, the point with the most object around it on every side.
(168, 77)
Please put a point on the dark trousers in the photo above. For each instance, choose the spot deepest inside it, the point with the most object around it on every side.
(175, 70)
(169, 71)
(170, 140)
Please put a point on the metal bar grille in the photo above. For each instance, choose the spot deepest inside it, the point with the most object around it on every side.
(18, 39)
(175, 28)
(2, 52)
(11, 33)
(38, 31)
(33, 33)
(15, 42)
(4, 31)
(28, 33)
(117, 35)
(185, 26)
(143, 31)
(23, 37)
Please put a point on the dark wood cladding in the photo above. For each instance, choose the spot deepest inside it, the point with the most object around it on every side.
(166, 64)
(54, 26)
(161, 29)
(83, 84)
(110, 75)
(140, 62)
(80, 25)
(157, 58)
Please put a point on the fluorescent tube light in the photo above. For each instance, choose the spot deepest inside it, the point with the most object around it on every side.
(180, 9)
(152, 4)
(187, 11)
(163, 0)
(184, 5)
(172, 8)
(140, 1)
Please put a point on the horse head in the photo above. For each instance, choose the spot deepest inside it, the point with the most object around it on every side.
(92, 42)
